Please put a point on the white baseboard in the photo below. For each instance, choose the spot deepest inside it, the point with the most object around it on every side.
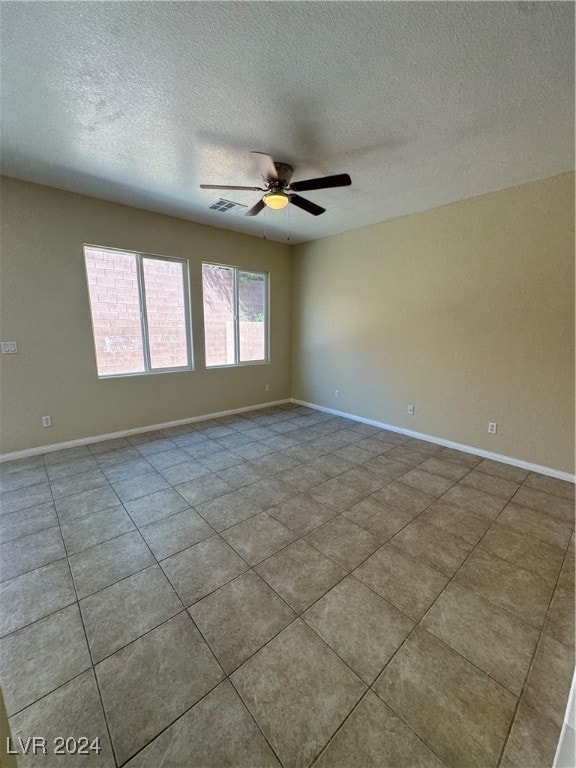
(127, 432)
(550, 471)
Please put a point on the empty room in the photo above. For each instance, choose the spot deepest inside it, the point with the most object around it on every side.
(287, 384)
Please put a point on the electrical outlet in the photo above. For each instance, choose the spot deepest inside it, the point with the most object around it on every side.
(336, 393)
(267, 387)
(410, 410)
(46, 421)
(492, 426)
(9, 347)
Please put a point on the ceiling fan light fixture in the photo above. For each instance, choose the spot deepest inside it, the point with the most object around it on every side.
(276, 200)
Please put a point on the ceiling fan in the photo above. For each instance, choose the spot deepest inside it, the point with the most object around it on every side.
(279, 191)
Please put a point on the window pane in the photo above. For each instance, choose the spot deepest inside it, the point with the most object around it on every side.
(166, 313)
(115, 305)
(218, 292)
(252, 311)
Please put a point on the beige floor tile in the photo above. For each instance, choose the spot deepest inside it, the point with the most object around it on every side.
(84, 532)
(302, 513)
(407, 583)
(549, 679)
(216, 732)
(539, 524)
(30, 552)
(344, 542)
(239, 618)
(72, 484)
(169, 458)
(459, 712)
(66, 454)
(447, 469)
(275, 462)
(128, 470)
(330, 464)
(495, 641)
(225, 511)
(74, 709)
(469, 460)
(556, 506)
(456, 520)
(112, 457)
(386, 470)
(524, 550)
(220, 460)
(35, 594)
(378, 518)
(102, 565)
(433, 485)
(22, 498)
(361, 479)
(158, 445)
(434, 546)
(406, 455)
(203, 489)
(19, 465)
(155, 506)
(400, 496)
(300, 574)
(496, 486)
(505, 471)
(172, 534)
(17, 524)
(532, 741)
(551, 485)
(149, 683)
(258, 538)
(561, 620)
(475, 500)
(42, 656)
(357, 454)
(86, 503)
(514, 589)
(13, 481)
(299, 692)
(119, 614)
(241, 474)
(336, 494)
(137, 487)
(202, 568)
(363, 629)
(374, 736)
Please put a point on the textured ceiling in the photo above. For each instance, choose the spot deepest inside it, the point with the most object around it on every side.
(422, 103)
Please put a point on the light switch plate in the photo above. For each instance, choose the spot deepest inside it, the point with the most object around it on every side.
(8, 347)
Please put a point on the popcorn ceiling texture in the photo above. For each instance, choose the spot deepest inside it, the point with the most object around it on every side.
(422, 103)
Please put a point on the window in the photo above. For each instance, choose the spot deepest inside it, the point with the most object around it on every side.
(235, 315)
(140, 312)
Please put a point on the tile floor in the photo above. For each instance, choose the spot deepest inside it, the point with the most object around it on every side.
(285, 587)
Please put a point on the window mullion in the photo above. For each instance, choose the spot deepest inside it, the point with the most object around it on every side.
(236, 320)
(143, 312)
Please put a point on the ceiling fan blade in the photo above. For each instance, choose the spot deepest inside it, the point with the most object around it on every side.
(339, 180)
(227, 186)
(266, 166)
(306, 205)
(255, 208)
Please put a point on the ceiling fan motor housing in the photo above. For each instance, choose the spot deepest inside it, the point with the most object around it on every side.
(284, 172)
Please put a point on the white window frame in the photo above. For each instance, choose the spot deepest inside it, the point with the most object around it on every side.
(139, 256)
(235, 270)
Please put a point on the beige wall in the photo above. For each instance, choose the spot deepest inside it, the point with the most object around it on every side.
(44, 307)
(466, 311)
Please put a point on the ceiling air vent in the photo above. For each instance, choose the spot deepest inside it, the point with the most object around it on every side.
(224, 206)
